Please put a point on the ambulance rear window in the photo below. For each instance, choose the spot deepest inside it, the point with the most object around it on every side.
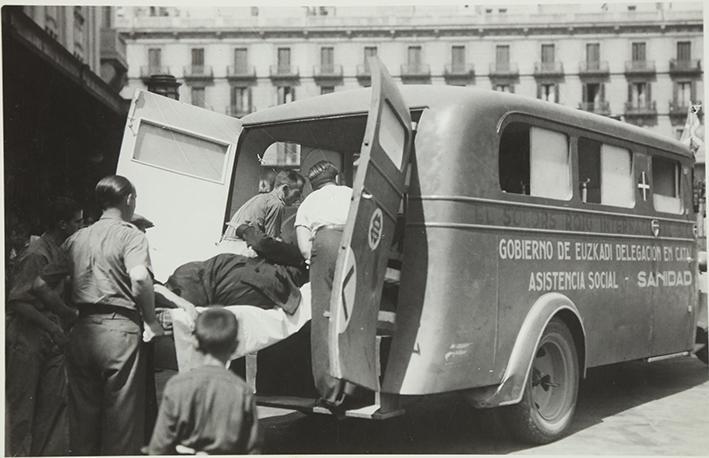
(179, 152)
(535, 161)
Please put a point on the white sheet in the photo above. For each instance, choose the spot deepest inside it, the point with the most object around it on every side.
(258, 328)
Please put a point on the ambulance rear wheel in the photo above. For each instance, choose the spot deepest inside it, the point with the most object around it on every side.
(549, 399)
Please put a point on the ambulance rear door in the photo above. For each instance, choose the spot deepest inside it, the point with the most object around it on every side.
(364, 251)
(180, 159)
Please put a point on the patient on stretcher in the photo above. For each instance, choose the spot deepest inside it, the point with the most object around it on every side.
(272, 289)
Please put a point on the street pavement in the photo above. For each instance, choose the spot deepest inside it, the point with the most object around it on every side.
(635, 408)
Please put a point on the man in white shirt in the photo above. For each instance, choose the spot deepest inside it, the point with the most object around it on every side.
(318, 224)
(327, 205)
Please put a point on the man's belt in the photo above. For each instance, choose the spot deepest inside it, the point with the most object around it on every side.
(108, 309)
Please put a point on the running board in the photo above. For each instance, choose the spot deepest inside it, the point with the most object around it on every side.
(670, 356)
(309, 405)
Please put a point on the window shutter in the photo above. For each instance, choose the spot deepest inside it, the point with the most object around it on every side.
(556, 93)
(630, 92)
(584, 96)
(648, 94)
(539, 91)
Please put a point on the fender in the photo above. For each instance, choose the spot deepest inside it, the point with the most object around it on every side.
(511, 389)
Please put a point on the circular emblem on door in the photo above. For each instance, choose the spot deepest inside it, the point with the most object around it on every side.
(376, 227)
(347, 291)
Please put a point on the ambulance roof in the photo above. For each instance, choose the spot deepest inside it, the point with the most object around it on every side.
(357, 101)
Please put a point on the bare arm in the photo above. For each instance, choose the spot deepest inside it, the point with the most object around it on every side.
(142, 289)
(304, 243)
(52, 300)
(178, 301)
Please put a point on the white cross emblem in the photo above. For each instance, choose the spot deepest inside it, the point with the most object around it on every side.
(643, 185)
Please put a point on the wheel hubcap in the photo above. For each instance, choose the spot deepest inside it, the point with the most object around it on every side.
(550, 381)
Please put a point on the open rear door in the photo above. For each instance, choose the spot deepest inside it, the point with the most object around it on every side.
(180, 159)
(368, 235)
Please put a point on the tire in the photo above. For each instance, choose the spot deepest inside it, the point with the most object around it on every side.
(549, 401)
(702, 339)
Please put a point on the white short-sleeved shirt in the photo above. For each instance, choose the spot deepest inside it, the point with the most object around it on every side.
(328, 205)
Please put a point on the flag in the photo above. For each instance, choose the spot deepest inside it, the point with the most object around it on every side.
(693, 133)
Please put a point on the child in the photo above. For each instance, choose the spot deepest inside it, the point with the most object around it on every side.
(208, 409)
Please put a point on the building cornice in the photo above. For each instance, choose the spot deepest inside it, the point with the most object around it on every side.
(412, 32)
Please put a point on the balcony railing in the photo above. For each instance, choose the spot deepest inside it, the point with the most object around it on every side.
(283, 71)
(504, 70)
(415, 71)
(148, 70)
(639, 67)
(363, 71)
(548, 69)
(641, 108)
(238, 112)
(240, 72)
(602, 107)
(459, 71)
(588, 68)
(683, 67)
(330, 72)
(198, 72)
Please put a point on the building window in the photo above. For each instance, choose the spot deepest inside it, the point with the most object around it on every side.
(327, 89)
(327, 59)
(458, 59)
(285, 94)
(685, 93)
(198, 58)
(154, 61)
(241, 61)
(535, 161)
(369, 51)
(547, 54)
(684, 51)
(593, 96)
(197, 96)
(504, 88)
(284, 60)
(254, 10)
(605, 174)
(548, 92)
(638, 52)
(639, 94)
(502, 57)
(414, 57)
(666, 185)
(240, 100)
(593, 56)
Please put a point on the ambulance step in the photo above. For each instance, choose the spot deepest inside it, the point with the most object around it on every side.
(309, 405)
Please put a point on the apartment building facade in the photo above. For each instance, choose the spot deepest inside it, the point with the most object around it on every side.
(638, 62)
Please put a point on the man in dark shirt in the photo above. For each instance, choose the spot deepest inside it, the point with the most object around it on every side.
(36, 421)
(272, 279)
(208, 409)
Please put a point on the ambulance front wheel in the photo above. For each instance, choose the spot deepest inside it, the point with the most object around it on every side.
(549, 399)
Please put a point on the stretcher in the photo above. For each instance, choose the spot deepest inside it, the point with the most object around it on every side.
(258, 328)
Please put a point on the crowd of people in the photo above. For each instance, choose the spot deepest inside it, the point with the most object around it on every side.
(81, 303)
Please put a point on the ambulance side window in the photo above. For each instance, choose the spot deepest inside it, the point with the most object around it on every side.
(605, 174)
(666, 185)
(535, 161)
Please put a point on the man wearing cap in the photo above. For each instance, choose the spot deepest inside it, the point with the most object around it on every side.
(318, 224)
(113, 288)
(35, 415)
